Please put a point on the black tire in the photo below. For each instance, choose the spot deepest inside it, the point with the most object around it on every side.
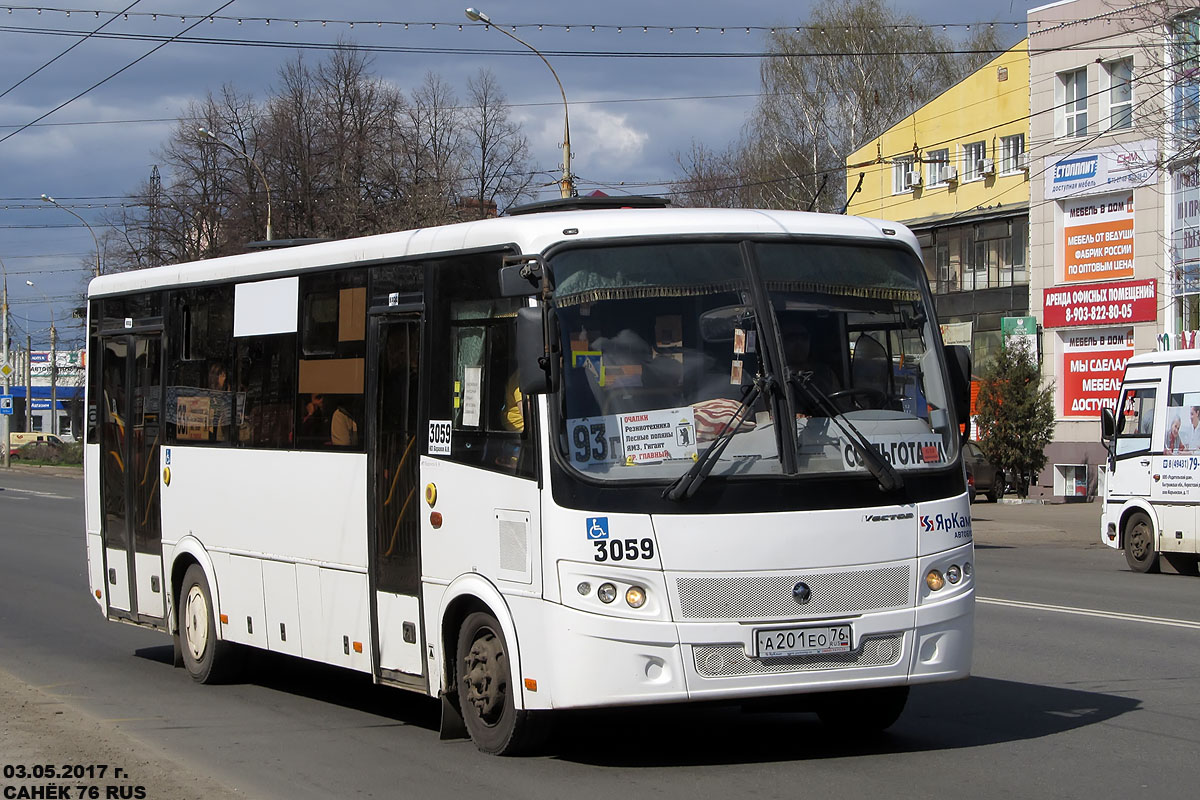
(485, 682)
(206, 658)
(862, 712)
(993, 494)
(1140, 552)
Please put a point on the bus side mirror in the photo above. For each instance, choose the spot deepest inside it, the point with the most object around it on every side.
(1108, 426)
(958, 365)
(537, 350)
(518, 280)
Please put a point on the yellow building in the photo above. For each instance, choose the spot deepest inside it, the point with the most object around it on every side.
(956, 171)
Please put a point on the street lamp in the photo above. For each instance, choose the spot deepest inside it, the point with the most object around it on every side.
(56, 204)
(210, 135)
(567, 184)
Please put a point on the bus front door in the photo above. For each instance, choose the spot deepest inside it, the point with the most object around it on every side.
(396, 442)
(129, 444)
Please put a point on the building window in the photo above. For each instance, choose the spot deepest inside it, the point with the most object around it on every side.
(972, 156)
(936, 163)
(1071, 92)
(1012, 148)
(1120, 94)
(1185, 77)
(900, 169)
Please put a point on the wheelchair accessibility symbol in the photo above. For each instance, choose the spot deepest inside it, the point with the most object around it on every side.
(597, 527)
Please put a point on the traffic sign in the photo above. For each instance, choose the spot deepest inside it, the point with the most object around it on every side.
(6, 404)
(6, 369)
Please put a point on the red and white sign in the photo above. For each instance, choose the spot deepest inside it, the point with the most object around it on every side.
(1098, 238)
(1129, 301)
(1093, 363)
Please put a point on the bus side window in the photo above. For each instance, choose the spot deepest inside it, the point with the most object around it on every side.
(472, 383)
(1137, 410)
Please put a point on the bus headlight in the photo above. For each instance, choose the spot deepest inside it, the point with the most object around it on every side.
(953, 573)
(635, 596)
(607, 593)
(934, 580)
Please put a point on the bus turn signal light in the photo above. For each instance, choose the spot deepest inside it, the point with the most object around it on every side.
(934, 580)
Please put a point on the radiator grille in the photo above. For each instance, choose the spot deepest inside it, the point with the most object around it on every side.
(729, 660)
(764, 597)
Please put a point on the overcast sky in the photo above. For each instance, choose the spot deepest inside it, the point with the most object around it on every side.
(629, 115)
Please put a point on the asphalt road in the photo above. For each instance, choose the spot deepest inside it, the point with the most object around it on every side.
(1086, 684)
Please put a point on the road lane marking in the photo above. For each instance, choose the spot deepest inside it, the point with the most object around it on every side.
(1091, 612)
(50, 495)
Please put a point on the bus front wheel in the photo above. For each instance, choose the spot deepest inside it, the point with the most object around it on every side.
(486, 689)
(862, 711)
(1140, 552)
(206, 658)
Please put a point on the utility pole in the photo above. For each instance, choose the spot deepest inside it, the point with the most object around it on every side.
(53, 376)
(28, 383)
(4, 426)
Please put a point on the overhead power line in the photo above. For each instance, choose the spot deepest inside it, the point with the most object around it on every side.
(106, 79)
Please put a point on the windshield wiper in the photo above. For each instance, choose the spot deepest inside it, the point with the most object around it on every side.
(686, 484)
(887, 476)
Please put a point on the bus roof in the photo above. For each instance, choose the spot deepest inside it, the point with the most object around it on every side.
(1163, 357)
(532, 233)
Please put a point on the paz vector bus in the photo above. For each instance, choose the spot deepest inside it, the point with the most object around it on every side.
(555, 460)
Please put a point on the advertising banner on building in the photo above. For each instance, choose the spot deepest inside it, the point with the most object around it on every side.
(1128, 301)
(1093, 363)
(1108, 169)
(1097, 238)
(70, 364)
(1020, 332)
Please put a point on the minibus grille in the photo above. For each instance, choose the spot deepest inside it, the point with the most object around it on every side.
(752, 598)
(729, 660)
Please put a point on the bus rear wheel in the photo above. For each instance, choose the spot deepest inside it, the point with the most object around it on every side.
(1140, 552)
(486, 690)
(862, 711)
(206, 658)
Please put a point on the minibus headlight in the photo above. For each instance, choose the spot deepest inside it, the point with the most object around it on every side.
(953, 573)
(968, 569)
(607, 593)
(635, 596)
(934, 580)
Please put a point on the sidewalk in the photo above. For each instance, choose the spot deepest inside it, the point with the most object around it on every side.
(1036, 523)
(38, 730)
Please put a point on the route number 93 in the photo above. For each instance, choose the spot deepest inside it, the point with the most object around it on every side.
(624, 549)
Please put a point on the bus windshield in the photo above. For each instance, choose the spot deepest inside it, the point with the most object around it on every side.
(664, 344)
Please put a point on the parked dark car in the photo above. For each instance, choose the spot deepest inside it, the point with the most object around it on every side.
(983, 476)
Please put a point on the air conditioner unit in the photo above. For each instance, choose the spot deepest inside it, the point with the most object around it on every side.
(948, 174)
(985, 166)
(1023, 161)
(912, 180)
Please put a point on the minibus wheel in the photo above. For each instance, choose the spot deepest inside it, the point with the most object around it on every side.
(486, 689)
(1140, 552)
(859, 712)
(206, 658)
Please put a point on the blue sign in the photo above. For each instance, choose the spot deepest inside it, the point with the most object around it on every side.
(597, 527)
(6, 404)
(1076, 169)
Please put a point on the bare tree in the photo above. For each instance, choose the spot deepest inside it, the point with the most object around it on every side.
(345, 154)
(431, 132)
(496, 152)
(855, 69)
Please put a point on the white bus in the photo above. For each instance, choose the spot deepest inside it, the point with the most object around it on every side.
(535, 463)
(1151, 487)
